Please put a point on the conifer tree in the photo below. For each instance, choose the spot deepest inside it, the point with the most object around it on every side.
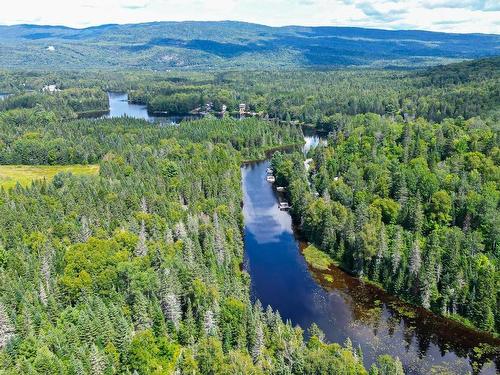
(7, 330)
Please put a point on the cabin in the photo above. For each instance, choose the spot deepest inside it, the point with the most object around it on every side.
(270, 178)
(243, 108)
(50, 88)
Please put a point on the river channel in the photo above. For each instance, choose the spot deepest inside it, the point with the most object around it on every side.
(342, 305)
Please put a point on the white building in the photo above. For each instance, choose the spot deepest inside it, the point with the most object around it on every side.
(50, 88)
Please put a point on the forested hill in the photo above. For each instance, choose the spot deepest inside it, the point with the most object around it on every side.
(210, 45)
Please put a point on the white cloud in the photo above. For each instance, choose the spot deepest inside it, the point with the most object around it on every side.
(437, 15)
(134, 4)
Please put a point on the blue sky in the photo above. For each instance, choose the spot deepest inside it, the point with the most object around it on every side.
(437, 15)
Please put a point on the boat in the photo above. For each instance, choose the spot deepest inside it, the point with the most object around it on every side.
(281, 189)
(283, 205)
(269, 171)
(270, 179)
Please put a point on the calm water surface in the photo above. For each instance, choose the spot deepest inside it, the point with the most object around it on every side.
(312, 139)
(119, 106)
(344, 307)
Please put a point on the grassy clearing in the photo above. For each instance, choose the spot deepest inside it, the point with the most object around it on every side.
(317, 258)
(25, 174)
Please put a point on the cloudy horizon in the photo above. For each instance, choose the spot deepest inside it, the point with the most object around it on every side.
(459, 16)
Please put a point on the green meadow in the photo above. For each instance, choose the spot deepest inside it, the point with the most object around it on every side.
(10, 175)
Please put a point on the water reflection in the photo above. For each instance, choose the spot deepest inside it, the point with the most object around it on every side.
(341, 305)
(312, 139)
(119, 106)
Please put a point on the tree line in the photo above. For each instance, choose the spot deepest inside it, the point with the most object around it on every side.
(69, 103)
(138, 270)
(465, 90)
(411, 206)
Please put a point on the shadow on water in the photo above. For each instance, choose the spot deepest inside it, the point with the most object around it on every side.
(342, 305)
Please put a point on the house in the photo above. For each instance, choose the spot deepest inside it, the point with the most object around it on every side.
(51, 48)
(50, 88)
(243, 108)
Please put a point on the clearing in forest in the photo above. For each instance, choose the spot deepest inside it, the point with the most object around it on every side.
(25, 174)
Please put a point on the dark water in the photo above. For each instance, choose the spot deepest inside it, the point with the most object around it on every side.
(344, 307)
(312, 139)
(119, 106)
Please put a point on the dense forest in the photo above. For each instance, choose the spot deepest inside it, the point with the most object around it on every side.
(68, 103)
(137, 270)
(231, 45)
(411, 206)
(313, 97)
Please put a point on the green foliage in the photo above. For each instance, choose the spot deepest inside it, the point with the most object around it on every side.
(316, 258)
(388, 208)
(321, 98)
(150, 355)
(232, 45)
(10, 175)
(137, 268)
(179, 103)
(67, 103)
(136, 265)
(411, 206)
(92, 266)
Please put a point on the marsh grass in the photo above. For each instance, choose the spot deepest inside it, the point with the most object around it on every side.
(317, 258)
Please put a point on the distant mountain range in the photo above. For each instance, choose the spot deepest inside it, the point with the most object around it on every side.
(232, 45)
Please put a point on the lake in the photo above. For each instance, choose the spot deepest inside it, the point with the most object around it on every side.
(345, 307)
(119, 106)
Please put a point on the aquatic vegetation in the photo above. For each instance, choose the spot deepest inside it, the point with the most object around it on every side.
(317, 258)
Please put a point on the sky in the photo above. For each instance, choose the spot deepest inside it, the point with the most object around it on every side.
(465, 16)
